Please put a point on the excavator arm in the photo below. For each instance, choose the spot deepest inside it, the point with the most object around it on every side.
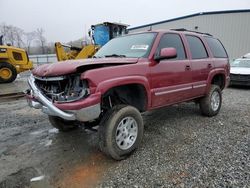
(88, 51)
(74, 52)
(62, 55)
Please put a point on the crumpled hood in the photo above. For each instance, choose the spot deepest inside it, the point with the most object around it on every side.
(71, 66)
(240, 70)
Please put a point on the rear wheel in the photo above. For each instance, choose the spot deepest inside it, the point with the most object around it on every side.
(8, 73)
(120, 131)
(210, 105)
(61, 124)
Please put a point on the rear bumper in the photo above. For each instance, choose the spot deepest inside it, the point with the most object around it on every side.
(84, 110)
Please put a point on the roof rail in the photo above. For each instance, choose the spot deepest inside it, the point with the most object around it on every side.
(183, 29)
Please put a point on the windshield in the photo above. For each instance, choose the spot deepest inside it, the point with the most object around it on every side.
(137, 45)
(241, 63)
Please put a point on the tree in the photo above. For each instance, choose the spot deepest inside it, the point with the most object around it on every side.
(41, 39)
(4, 30)
(30, 36)
(17, 37)
(18, 33)
(12, 35)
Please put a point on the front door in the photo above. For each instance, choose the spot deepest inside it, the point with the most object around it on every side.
(171, 78)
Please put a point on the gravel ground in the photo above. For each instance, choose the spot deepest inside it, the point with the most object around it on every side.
(183, 149)
(180, 148)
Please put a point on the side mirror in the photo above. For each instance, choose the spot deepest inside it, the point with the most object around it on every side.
(166, 53)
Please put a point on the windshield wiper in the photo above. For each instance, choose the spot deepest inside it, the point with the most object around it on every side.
(115, 55)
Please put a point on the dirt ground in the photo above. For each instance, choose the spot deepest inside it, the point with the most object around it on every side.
(30, 148)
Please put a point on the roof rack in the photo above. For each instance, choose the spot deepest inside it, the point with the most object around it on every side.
(183, 29)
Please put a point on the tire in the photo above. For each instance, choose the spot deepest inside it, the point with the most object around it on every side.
(210, 105)
(8, 73)
(112, 131)
(61, 124)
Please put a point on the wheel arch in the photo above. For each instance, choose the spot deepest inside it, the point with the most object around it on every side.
(217, 77)
(134, 89)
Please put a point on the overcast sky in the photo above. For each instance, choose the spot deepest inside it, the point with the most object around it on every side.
(66, 20)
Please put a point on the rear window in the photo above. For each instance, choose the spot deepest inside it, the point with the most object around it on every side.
(197, 48)
(216, 47)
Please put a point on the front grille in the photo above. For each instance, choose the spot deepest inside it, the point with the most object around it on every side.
(240, 77)
(62, 89)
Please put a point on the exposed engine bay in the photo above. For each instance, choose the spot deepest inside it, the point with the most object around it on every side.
(63, 88)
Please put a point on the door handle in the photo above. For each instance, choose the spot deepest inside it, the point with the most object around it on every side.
(187, 67)
(209, 65)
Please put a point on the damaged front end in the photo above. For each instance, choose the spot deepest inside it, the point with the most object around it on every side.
(63, 96)
(63, 88)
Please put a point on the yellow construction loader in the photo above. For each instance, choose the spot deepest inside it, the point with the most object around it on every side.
(74, 52)
(100, 35)
(12, 61)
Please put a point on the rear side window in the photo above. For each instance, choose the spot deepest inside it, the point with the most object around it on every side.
(197, 48)
(216, 47)
(173, 40)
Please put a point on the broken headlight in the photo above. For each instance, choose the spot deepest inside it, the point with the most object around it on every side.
(63, 89)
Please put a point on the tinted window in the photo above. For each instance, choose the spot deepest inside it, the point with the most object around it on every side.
(197, 48)
(173, 40)
(216, 47)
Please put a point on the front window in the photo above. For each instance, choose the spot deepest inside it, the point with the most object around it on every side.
(136, 45)
(241, 63)
(173, 40)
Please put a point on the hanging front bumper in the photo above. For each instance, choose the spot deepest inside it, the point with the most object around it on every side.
(37, 100)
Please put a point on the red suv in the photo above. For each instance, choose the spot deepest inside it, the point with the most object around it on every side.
(129, 75)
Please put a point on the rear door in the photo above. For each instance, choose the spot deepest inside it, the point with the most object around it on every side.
(171, 78)
(201, 64)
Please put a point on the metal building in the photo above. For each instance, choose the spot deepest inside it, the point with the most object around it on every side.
(232, 27)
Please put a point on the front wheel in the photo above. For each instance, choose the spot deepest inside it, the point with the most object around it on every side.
(210, 105)
(120, 131)
(8, 73)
